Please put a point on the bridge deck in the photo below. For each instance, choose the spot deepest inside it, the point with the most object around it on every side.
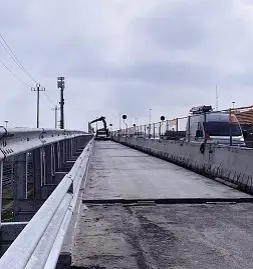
(120, 172)
(145, 236)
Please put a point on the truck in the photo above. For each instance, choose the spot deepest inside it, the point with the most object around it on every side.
(209, 126)
(103, 133)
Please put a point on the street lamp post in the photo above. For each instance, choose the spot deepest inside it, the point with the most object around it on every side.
(233, 104)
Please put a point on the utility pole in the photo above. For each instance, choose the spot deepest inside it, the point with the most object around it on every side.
(38, 89)
(217, 99)
(6, 123)
(61, 85)
(150, 110)
(55, 109)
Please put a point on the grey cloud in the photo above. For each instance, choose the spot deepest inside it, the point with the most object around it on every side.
(171, 58)
(156, 73)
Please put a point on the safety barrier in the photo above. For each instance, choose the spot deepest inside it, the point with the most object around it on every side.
(18, 140)
(231, 164)
(39, 244)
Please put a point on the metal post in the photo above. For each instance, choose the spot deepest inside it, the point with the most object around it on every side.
(66, 150)
(38, 105)
(150, 110)
(62, 109)
(230, 127)
(205, 138)
(154, 127)
(55, 109)
(43, 166)
(61, 85)
(56, 163)
(189, 128)
(49, 165)
(74, 146)
(38, 90)
(20, 171)
(58, 156)
(53, 159)
(61, 154)
(37, 173)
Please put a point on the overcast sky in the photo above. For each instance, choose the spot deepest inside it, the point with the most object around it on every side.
(125, 56)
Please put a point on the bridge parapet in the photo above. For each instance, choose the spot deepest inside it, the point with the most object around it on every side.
(40, 242)
(17, 140)
(32, 164)
(229, 164)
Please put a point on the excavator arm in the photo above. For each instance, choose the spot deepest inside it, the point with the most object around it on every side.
(100, 131)
(100, 119)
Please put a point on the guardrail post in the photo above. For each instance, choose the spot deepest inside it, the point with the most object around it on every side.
(20, 172)
(74, 146)
(68, 149)
(71, 148)
(77, 143)
(37, 173)
(61, 154)
(53, 160)
(49, 165)
(64, 151)
(43, 166)
(56, 157)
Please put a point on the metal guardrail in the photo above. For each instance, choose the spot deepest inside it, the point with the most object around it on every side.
(39, 244)
(18, 140)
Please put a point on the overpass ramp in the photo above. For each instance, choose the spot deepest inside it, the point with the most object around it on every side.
(142, 212)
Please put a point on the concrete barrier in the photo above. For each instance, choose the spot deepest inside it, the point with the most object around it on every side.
(230, 164)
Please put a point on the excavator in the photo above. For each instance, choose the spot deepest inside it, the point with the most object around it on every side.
(101, 134)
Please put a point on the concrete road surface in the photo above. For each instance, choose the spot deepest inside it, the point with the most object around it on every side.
(156, 236)
(120, 172)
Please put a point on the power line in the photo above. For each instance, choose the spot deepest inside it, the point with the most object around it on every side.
(14, 58)
(14, 75)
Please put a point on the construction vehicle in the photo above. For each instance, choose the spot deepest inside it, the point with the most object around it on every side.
(101, 134)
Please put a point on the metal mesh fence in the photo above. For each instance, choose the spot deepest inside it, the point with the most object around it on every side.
(187, 127)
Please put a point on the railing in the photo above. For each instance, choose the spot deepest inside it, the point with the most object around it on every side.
(186, 127)
(39, 244)
(18, 140)
(154, 130)
(29, 162)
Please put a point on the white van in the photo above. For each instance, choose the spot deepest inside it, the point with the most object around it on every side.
(204, 124)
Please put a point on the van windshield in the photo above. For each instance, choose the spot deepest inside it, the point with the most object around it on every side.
(213, 128)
